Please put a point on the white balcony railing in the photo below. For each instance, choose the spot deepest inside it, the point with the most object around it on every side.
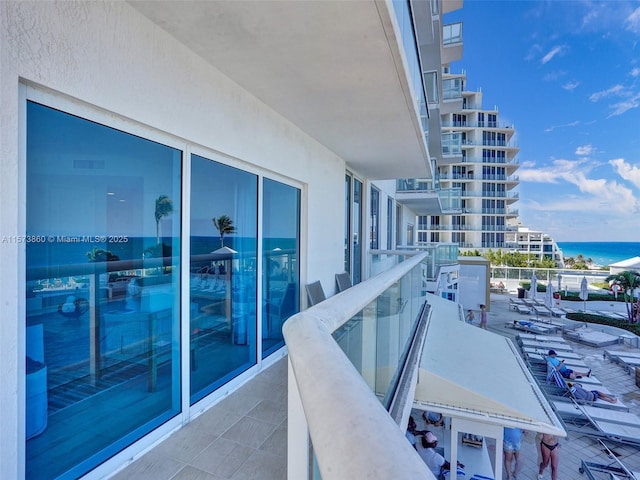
(334, 404)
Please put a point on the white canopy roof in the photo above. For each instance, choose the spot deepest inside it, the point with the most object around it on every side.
(467, 372)
(628, 264)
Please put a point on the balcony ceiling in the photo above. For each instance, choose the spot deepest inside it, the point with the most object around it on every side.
(331, 67)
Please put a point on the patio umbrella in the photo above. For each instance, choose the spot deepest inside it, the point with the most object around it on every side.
(584, 292)
(559, 282)
(534, 286)
(548, 297)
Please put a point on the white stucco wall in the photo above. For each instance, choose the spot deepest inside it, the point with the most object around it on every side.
(109, 58)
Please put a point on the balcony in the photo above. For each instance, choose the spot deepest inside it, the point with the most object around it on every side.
(451, 42)
(423, 198)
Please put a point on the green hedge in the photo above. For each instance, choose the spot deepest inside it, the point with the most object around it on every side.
(601, 320)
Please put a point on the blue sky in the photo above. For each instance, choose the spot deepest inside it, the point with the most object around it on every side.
(566, 74)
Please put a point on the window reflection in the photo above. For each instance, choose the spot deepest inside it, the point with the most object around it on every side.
(281, 252)
(102, 323)
(223, 274)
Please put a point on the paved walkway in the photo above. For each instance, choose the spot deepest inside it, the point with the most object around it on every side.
(245, 436)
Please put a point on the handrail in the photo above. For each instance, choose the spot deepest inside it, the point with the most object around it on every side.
(340, 408)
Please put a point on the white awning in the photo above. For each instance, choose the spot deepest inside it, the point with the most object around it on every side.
(473, 374)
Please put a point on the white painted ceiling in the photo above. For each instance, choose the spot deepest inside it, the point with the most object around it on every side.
(331, 67)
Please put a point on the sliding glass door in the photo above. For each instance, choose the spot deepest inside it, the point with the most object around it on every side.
(102, 291)
(224, 222)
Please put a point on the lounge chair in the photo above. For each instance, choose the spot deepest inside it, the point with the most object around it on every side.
(541, 310)
(612, 425)
(542, 338)
(557, 312)
(522, 309)
(528, 326)
(566, 355)
(592, 337)
(557, 346)
(554, 378)
(609, 471)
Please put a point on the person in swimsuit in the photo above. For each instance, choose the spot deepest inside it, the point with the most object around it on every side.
(550, 455)
(483, 316)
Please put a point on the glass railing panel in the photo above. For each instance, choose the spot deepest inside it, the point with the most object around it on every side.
(452, 143)
(452, 33)
(450, 198)
(452, 88)
(409, 44)
(377, 339)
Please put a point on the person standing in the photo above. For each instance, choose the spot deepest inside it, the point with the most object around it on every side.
(511, 444)
(483, 316)
(549, 450)
(470, 316)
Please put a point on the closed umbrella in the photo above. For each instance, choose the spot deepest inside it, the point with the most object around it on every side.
(584, 292)
(534, 286)
(559, 282)
(548, 297)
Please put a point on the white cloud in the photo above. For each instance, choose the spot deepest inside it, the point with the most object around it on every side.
(555, 51)
(571, 86)
(533, 52)
(584, 150)
(621, 107)
(633, 21)
(570, 124)
(628, 172)
(616, 90)
(635, 72)
(594, 192)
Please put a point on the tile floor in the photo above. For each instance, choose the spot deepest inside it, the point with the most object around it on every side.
(245, 435)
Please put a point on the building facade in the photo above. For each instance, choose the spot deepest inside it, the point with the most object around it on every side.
(480, 161)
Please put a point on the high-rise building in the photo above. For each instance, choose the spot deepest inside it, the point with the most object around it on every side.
(480, 161)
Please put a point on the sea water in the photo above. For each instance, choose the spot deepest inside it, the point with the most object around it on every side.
(601, 253)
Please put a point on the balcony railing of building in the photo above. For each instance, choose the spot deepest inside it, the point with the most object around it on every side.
(469, 124)
(489, 143)
(452, 88)
(489, 193)
(414, 185)
(343, 385)
(471, 228)
(452, 143)
(402, 10)
(450, 199)
(452, 33)
(490, 160)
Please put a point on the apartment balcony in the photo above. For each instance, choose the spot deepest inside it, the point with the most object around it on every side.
(471, 125)
(512, 213)
(452, 42)
(491, 160)
(421, 197)
(487, 143)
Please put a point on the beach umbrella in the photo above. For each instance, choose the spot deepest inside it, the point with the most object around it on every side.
(559, 282)
(584, 292)
(548, 297)
(534, 286)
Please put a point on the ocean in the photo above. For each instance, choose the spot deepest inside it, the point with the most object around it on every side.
(602, 253)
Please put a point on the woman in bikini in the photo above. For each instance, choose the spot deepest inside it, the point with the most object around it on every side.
(549, 451)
